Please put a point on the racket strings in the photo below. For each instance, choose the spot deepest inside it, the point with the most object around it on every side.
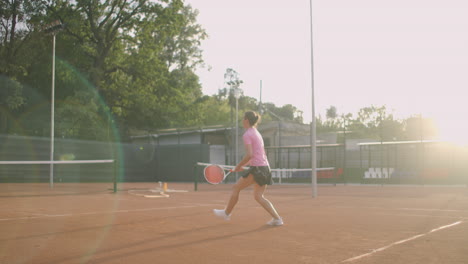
(214, 174)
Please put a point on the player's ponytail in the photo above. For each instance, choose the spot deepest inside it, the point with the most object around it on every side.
(253, 118)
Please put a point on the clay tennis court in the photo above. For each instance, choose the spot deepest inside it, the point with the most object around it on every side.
(77, 223)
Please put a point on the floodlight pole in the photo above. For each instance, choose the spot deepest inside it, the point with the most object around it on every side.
(52, 116)
(313, 135)
(53, 29)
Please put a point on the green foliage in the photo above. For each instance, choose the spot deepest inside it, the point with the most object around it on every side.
(417, 128)
(285, 113)
(11, 94)
(214, 111)
(135, 59)
(80, 117)
(376, 123)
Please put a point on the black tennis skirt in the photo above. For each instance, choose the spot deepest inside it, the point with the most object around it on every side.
(261, 174)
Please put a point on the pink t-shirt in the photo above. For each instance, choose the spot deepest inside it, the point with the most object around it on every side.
(253, 137)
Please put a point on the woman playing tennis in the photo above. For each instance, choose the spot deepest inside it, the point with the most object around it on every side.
(258, 174)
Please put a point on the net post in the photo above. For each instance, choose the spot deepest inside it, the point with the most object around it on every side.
(115, 176)
(195, 178)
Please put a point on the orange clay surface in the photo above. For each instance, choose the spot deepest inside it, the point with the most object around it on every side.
(77, 223)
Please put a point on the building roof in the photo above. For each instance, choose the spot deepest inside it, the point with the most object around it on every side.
(182, 131)
(398, 142)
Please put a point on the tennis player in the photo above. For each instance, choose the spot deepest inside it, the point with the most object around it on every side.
(258, 175)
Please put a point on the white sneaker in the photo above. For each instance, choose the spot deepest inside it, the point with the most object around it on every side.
(275, 222)
(221, 213)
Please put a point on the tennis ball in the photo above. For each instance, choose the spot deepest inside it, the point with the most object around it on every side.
(67, 156)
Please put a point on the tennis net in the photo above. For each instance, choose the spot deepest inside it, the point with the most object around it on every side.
(82, 174)
(280, 176)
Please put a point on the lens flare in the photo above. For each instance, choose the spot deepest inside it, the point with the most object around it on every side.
(34, 146)
(453, 131)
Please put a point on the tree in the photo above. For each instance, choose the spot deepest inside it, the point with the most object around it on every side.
(330, 124)
(419, 128)
(286, 112)
(232, 79)
(135, 59)
(16, 30)
(10, 99)
(233, 82)
(331, 116)
(331, 112)
(214, 111)
(16, 56)
(371, 117)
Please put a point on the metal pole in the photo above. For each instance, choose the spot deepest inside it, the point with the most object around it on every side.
(115, 174)
(313, 127)
(237, 134)
(53, 28)
(344, 150)
(52, 114)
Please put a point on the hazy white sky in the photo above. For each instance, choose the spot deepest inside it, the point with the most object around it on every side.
(410, 55)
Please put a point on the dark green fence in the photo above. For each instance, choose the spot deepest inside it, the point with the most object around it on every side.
(135, 162)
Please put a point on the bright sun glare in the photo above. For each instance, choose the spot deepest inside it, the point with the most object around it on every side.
(453, 131)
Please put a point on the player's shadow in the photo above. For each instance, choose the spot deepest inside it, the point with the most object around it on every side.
(98, 228)
(164, 247)
(182, 244)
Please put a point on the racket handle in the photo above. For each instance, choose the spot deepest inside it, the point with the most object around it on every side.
(229, 172)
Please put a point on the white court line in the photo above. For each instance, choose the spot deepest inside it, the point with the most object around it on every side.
(402, 209)
(401, 242)
(109, 212)
(424, 209)
(423, 215)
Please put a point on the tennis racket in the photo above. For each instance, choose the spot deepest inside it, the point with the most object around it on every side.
(215, 174)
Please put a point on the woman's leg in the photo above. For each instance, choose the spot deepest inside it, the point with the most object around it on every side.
(258, 195)
(241, 184)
